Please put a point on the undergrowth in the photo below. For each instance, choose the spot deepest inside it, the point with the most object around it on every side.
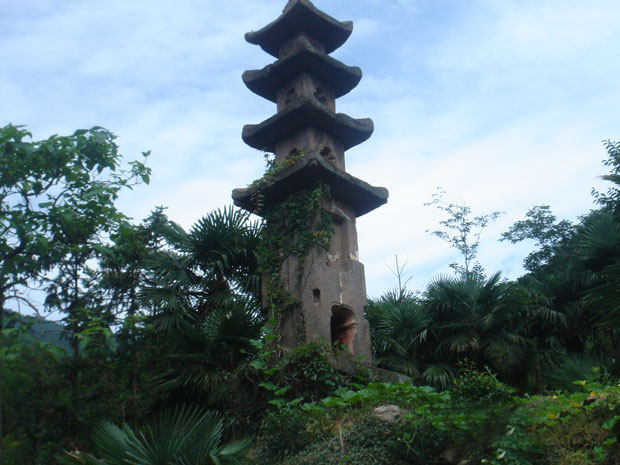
(478, 420)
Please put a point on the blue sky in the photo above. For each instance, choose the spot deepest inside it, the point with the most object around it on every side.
(503, 103)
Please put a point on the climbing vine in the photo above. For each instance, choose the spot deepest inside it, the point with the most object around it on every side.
(291, 228)
(273, 169)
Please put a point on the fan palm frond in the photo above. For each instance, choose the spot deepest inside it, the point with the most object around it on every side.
(184, 436)
(439, 374)
(604, 299)
(570, 368)
(477, 318)
(405, 365)
(600, 245)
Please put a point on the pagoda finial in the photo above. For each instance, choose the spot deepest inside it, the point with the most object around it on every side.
(288, 6)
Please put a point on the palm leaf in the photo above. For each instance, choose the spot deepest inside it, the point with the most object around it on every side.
(439, 374)
(231, 453)
(116, 442)
(570, 368)
(404, 365)
(604, 299)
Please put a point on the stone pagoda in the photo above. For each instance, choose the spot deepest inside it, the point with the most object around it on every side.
(328, 285)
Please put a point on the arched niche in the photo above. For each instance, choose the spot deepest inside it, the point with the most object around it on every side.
(343, 327)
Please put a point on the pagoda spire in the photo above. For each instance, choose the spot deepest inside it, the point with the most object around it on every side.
(309, 140)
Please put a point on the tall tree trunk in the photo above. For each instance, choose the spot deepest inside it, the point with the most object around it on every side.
(75, 342)
(539, 377)
(134, 358)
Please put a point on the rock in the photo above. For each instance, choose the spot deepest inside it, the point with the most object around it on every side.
(456, 455)
(388, 413)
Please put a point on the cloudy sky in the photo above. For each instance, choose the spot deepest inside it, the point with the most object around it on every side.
(503, 103)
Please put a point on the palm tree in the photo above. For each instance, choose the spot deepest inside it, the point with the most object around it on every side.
(398, 327)
(600, 247)
(478, 320)
(186, 436)
(200, 269)
(600, 254)
(554, 322)
(403, 338)
(202, 357)
(204, 291)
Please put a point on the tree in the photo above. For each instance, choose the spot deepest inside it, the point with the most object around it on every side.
(123, 274)
(554, 322)
(399, 326)
(599, 252)
(36, 400)
(462, 232)
(56, 197)
(204, 291)
(197, 270)
(480, 320)
(610, 200)
(553, 237)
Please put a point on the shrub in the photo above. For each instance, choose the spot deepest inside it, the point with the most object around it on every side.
(563, 429)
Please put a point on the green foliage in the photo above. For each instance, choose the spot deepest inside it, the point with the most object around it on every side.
(478, 420)
(569, 368)
(201, 357)
(610, 200)
(362, 444)
(185, 436)
(283, 433)
(271, 173)
(462, 232)
(599, 253)
(292, 378)
(562, 429)
(552, 238)
(479, 386)
(36, 400)
(47, 186)
(291, 228)
(479, 320)
(302, 373)
(340, 427)
(189, 325)
(195, 271)
(57, 201)
(399, 330)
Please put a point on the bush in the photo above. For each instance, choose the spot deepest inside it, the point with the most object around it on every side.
(563, 429)
(479, 386)
(365, 443)
(308, 373)
(283, 432)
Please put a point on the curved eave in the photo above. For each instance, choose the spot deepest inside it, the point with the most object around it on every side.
(302, 15)
(361, 196)
(304, 58)
(307, 112)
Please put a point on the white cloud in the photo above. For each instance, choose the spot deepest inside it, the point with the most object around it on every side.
(503, 103)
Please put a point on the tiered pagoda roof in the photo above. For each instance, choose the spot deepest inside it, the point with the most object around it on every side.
(307, 111)
(302, 57)
(301, 16)
(304, 82)
(353, 191)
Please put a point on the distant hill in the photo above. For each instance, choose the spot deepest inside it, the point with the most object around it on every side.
(41, 329)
